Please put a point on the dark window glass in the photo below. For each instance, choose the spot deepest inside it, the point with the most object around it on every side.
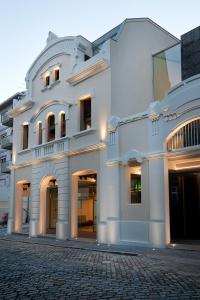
(57, 75)
(25, 137)
(62, 125)
(85, 114)
(47, 80)
(135, 188)
(39, 133)
(86, 57)
(51, 128)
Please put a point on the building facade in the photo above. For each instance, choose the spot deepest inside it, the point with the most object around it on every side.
(106, 140)
(6, 133)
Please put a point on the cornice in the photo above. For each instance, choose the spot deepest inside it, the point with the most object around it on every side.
(89, 71)
(21, 109)
(86, 149)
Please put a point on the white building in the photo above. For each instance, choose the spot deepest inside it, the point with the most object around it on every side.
(93, 149)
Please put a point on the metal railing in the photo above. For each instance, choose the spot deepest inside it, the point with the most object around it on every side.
(186, 136)
(5, 166)
(6, 141)
(5, 118)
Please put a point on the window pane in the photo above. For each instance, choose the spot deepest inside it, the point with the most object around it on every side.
(47, 80)
(62, 125)
(135, 188)
(25, 137)
(51, 128)
(56, 75)
(166, 71)
(85, 114)
(39, 133)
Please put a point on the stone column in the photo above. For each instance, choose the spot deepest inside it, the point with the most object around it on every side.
(11, 214)
(62, 225)
(159, 203)
(113, 198)
(35, 203)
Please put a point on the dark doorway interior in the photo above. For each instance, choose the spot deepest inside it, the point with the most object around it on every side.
(184, 205)
(87, 206)
(52, 209)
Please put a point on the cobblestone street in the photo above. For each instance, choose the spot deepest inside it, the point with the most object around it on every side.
(41, 271)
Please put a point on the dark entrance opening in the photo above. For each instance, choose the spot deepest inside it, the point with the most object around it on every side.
(184, 194)
(87, 206)
(52, 207)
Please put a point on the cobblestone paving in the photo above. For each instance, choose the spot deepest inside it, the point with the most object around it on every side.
(36, 271)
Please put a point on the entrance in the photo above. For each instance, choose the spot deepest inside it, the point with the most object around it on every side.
(87, 206)
(185, 205)
(52, 207)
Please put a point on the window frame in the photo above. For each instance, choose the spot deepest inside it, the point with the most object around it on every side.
(25, 145)
(138, 191)
(62, 127)
(84, 119)
(48, 128)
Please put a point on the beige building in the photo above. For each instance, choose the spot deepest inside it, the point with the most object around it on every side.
(98, 134)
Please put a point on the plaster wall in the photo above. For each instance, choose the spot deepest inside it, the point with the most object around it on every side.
(131, 66)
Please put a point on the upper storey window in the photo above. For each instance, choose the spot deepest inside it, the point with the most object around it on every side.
(85, 114)
(39, 133)
(166, 71)
(47, 80)
(51, 128)
(62, 125)
(25, 128)
(56, 74)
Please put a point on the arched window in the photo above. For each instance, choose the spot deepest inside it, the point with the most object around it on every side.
(186, 136)
(62, 125)
(39, 133)
(51, 128)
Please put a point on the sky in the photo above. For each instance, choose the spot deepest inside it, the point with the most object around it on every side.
(24, 26)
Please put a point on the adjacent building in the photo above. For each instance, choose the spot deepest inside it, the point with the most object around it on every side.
(106, 140)
(6, 140)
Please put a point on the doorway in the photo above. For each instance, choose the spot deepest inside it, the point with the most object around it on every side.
(184, 195)
(87, 215)
(52, 207)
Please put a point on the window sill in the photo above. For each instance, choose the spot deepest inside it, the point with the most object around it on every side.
(50, 86)
(24, 151)
(84, 132)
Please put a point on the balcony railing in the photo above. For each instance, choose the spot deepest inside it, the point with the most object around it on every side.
(6, 142)
(51, 148)
(187, 136)
(5, 167)
(6, 120)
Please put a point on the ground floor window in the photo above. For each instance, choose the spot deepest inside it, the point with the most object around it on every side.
(135, 188)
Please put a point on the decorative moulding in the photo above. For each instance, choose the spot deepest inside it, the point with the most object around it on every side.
(49, 87)
(113, 123)
(22, 108)
(46, 105)
(89, 71)
(84, 132)
(133, 156)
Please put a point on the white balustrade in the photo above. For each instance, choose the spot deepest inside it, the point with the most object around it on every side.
(50, 149)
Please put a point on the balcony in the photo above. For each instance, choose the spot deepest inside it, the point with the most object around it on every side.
(50, 149)
(5, 167)
(6, 142)
(6, 120)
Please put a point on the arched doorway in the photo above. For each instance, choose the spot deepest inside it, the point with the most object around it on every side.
(183, 147)
(84, 204)
(22, 216)
(48, 205)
